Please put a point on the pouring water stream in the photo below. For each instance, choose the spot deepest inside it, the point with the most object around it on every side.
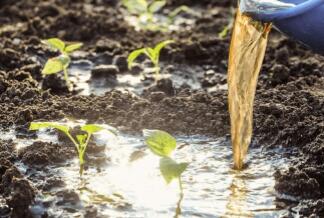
(248, 45)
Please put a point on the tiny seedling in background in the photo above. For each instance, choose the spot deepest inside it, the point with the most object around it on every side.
(81, 141)
(163, 144)
(145, 10)
(229, 26)
(61, 62)
(152, 53)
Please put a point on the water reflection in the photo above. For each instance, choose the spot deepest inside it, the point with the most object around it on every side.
(237, 205)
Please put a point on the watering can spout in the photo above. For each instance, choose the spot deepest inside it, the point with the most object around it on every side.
(302, 20)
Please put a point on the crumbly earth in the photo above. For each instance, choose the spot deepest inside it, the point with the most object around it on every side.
(289, 105)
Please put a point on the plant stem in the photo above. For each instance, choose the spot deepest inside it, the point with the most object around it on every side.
(66, 78)
(180, 186)
(157, 71)
(178, 209)
(82, 152)
(74, 142)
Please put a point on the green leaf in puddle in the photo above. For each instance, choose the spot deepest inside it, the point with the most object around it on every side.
(170, 169)
(160, 142)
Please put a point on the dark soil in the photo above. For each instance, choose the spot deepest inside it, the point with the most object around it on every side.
(289, 106)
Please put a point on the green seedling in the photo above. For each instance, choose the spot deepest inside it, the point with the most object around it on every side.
(80, 141)
(145, 12)
(228, 27)
(152, 53)
(61, 62)
(163, 144)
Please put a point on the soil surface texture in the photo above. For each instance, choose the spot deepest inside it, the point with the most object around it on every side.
(289, 105)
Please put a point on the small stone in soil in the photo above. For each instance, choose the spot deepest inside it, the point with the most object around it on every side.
(136, 69)
(121, 62)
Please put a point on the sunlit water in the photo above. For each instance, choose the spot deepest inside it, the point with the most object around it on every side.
(130, 184)
(80, 73)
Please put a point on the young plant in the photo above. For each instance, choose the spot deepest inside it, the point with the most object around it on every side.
(145, 10)
(80, 141)
(61, 62)
(152, 53)
(163, 144)
(228, 27)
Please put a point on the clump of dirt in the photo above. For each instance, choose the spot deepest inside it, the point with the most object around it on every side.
(17, 192)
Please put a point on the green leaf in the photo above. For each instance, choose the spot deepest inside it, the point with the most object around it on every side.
(161, 143)
(93, 128)
(135, 6)
(73, 47)
(180, 9)
(170, 169)
(159, 47)
(150, 53)
(133, 55)
(55, 44)
(53, 65)
(156, 6)
(42, 125)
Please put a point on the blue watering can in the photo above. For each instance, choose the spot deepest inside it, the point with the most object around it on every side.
(302, 20)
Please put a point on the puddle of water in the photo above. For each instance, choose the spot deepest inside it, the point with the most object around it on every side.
(125, 188)
(80, 74)
(21, 142)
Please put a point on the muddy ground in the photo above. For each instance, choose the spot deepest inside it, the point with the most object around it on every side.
(289, 106)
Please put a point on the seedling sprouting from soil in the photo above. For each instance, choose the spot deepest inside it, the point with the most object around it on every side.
(163, 144)
(152, 53)
(80, 141)
(61, 62)
(228, 27)
(145, 10)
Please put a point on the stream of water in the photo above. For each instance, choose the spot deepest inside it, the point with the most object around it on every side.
(248, 45)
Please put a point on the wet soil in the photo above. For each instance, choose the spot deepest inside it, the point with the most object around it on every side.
(289, 106)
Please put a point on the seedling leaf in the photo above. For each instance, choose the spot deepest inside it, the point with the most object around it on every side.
(159, 47)
(52, 66)
(133, 55)
(151, 54)
(156, 6)
(135, 6)
(93, 128)
(55, 44)
(180, 9)
(161, 143)
(170, 169)
(73, 47)
(42, 125)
